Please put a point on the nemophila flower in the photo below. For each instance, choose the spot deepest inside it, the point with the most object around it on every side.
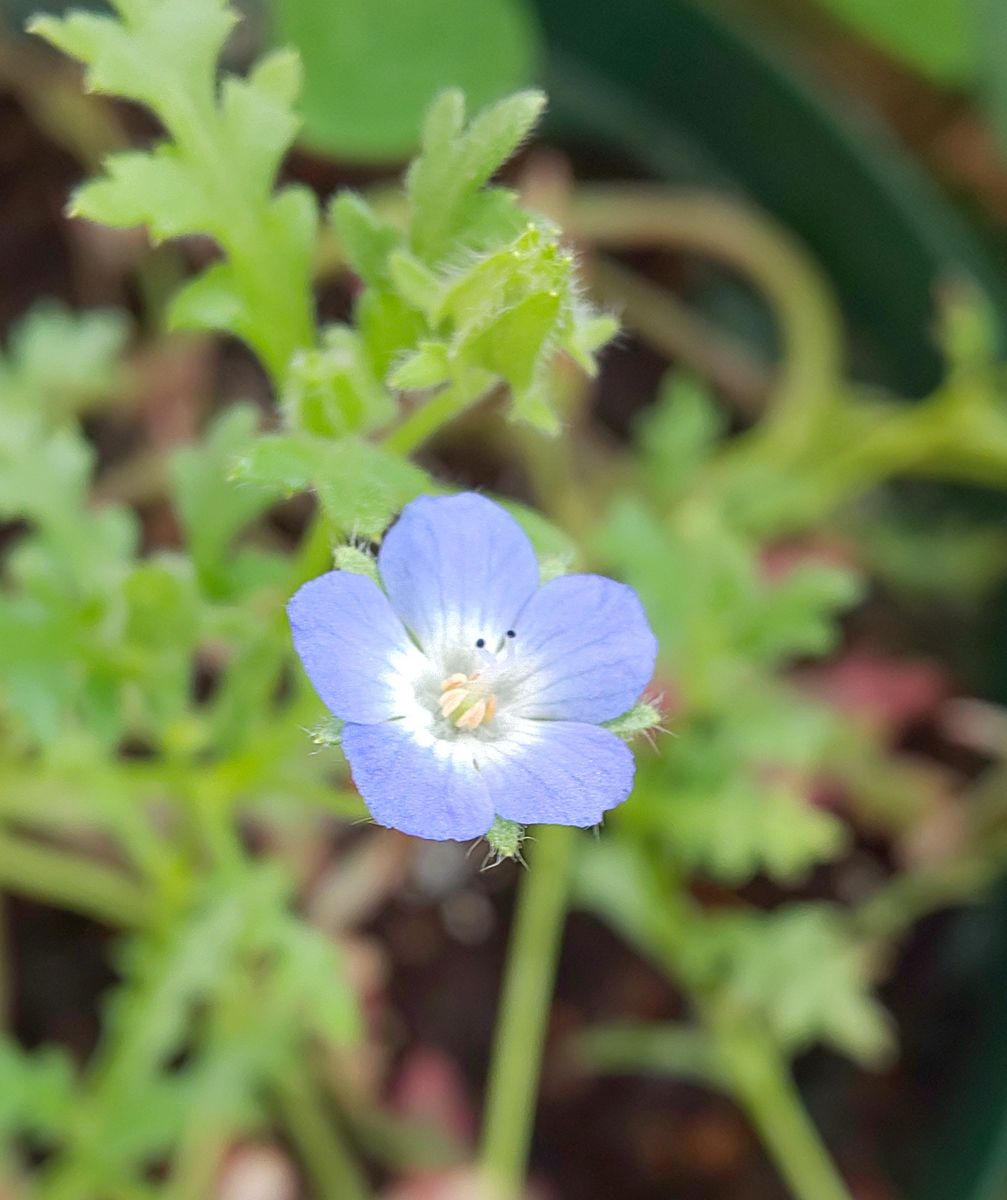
(468, 690)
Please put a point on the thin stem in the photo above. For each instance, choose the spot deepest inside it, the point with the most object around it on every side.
(442, 407)
(319, 1141)
(524, 1009)
(762, 1083)
(54, 876)
(683, 335)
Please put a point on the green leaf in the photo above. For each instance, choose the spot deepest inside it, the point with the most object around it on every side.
(366, 239)
(216, 171)
(60, 362)
(162, 54)
(356, 561)
(158, 190)
(162, 625)
(428, 367)
(36, 1091)
(734, 796)
(333, 391)
(360, 486)
(213, 509)
(211, 301)
(454, 164)
(677, 435)
(372, 69)
(760, 964)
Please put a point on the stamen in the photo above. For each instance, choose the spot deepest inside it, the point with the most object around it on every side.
(451, 699)
(466, 695)
(473, 717)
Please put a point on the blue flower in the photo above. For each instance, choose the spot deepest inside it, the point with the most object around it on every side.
(468, 690)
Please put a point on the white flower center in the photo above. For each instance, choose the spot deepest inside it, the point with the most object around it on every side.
(466, 700)
(459, 693)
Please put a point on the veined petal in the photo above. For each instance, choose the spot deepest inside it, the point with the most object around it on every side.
(589, 649)
(416, 783)
(456, 569)
(355, 650)
(556, 772)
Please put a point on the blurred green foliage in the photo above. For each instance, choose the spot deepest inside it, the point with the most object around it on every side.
(371, 69)
(937, 37)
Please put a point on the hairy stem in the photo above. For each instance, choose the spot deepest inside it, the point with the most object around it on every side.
(524, 1009)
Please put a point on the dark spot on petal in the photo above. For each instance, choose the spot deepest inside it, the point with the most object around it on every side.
(480, 643)
(511, 633)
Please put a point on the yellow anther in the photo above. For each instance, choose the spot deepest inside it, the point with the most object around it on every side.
(466, 696)
(451, 699)
(473, 717)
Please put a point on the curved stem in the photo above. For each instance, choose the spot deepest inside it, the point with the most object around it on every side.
(628, 216)
(680, 333)
(524, 1008)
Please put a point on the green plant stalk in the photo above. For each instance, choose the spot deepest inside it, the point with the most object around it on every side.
(762, 1083)
(524, 1008)
(442, 407)
(319, 1141)
(57, 877)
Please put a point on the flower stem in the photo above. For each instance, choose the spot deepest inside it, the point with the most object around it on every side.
(524, 1008)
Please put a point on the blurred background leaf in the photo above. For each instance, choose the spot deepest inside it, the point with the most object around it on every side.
(372, 66)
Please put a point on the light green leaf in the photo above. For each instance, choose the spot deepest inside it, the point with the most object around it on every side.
(211, 300)
(158, 190)
(60, 362)
(360, 486)
(454, 164)
(677, 435)
(333, 391)
(428, 367)
(366, 239)
(759, 962)
(162, 54)
(212, 508)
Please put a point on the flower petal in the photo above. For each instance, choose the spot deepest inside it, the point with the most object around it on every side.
(416, 783)
(589, 648)
(556, 772)
(354, 648)
(457, 568)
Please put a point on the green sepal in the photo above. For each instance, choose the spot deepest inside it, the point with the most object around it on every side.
(356, 561)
